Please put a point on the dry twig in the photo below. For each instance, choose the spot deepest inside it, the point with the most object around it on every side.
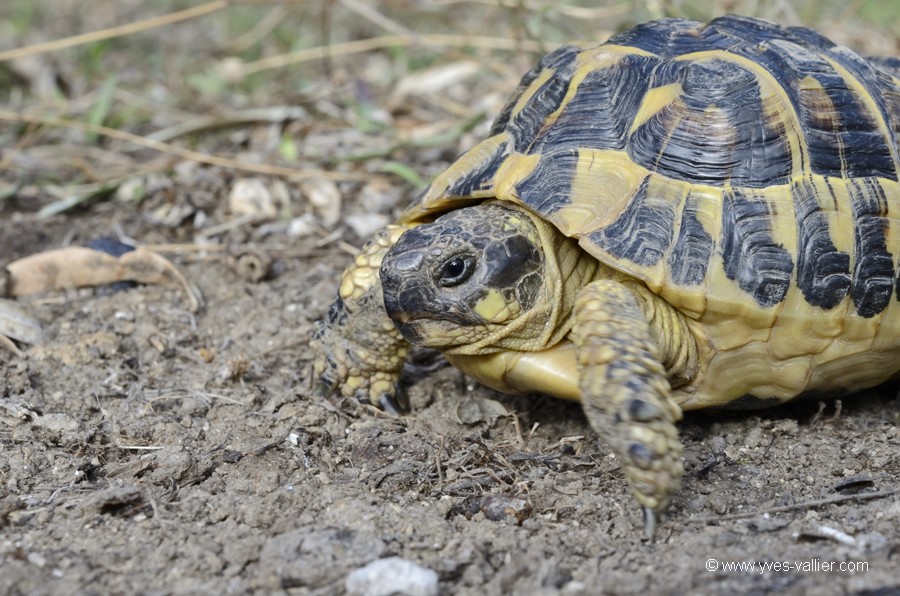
(796, 506)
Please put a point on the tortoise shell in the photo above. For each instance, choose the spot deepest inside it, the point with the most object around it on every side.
(745, 172)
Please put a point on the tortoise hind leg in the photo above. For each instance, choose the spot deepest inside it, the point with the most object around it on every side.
(626, 394)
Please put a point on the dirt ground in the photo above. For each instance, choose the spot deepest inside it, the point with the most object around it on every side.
(149, 449)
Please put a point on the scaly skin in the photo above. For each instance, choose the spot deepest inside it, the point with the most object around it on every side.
(360, 352)
(626, 394)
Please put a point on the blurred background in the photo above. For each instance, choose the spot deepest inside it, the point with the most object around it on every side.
(333, 112)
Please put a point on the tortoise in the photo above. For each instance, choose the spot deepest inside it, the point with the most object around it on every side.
(687, 216)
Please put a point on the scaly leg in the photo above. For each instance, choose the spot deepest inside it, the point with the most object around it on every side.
(359, 351)
(625, 393)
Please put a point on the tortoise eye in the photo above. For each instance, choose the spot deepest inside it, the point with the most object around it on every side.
(455, 271)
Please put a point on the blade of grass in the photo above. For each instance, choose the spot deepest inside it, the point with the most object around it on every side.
(404, 172)
(100, 192)
(100, 110)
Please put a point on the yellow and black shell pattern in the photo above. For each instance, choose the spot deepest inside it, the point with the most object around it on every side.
(745, 172)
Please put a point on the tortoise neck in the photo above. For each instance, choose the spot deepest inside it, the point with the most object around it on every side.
(567, 268)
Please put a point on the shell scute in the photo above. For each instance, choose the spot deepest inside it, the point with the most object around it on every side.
(759, 265)
(642, 233)
(559, 59)
(603, 106)
(823, 271)
(690, 257)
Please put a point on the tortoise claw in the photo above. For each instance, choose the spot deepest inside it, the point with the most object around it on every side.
(329, 378)
(650, 519)
(396, 404)
(326, 371)
(322, 388)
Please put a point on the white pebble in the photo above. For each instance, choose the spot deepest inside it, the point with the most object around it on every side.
(837, 535)
(36, 559)
(366, 225)
(392, 576)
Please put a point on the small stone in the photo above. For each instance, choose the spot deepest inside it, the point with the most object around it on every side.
(717, 445)
(767, 523)
(231, 69)
(57, 423)
(574, 587)
(366, 225)
(302, 226)
(502, 507)
(36, 559)
(254, 197)
(392, 575)
(325, 198)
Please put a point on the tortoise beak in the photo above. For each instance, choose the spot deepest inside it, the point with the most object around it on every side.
(404, 295)
(409, 331)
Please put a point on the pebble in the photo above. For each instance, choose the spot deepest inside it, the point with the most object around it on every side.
(392, 575)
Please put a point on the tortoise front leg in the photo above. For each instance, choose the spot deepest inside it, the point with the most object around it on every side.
(360, 353)
(626, 394)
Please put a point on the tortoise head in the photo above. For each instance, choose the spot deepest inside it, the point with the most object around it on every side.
(468, 280)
